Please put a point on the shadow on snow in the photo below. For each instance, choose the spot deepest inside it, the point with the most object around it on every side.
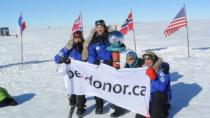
(182, 94)
(24, 97)
(25, 63)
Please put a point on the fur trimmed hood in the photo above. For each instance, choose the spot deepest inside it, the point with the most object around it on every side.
(157, 64)
(69, 46)
(86, 43)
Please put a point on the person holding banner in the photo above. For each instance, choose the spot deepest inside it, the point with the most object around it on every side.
(158, 72)
(132, 61)
(117, 47)
(97, 43)
(73, 50)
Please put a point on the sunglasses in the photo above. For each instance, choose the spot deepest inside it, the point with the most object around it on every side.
(147, 58)
(77, 36)
(129, 59)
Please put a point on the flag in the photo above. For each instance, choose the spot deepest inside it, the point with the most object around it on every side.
(127, 25)
(178, 22)
(22, 24)
(77, 26)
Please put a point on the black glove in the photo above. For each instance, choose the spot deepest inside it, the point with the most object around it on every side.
(97, 62)
(165, 67)
(61, 60)
(108, 62)
(66, 60)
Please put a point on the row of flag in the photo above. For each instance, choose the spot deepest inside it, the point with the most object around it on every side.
(178, 22)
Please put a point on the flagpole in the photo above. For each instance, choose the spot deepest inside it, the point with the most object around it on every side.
(82, 23)
(21, 50)
(188, 42)
(21, 45)
(133, 32)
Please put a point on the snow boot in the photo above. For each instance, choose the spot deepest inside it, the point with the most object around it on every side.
(118, 113)
(80, 111)
(99, 111)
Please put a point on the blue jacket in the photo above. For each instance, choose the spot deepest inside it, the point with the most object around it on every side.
(98, 51)
(162, 83)
(64, 52)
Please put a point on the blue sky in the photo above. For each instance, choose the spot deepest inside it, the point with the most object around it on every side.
(38, 13)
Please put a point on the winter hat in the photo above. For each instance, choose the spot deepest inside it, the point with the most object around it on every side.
(152, 55)
(116, 39)
(77, 33)
(100, 22)
(133, 55)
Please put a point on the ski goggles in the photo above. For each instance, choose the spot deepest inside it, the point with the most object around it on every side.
(147, 57)
(100, 22)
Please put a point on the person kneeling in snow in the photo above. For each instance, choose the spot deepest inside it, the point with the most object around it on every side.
(6, 99)
(74, 50)
(158, 72)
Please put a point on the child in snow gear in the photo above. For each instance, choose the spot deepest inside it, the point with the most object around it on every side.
(116, 47)
(6, 99)
(158, 72)
(132, 60)
(74, 50)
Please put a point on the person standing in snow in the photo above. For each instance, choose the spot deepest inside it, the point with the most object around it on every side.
(132, 61)
(74, 50)
(97, 43)
(6, 99)
(158, 72)
(117, 47)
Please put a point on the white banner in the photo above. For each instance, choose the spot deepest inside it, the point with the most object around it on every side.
(127, 88)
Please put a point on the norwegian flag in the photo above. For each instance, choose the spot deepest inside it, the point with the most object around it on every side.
(178, 22)
(127, 25)
(22, 24)
(77, 26)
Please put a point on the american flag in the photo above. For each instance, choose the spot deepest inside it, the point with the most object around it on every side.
(127, 25)
(77, 26)
(178, 22)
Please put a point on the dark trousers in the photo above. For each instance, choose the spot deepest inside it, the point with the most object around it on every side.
(77, 100)
(99, 102)
(139, 116)
(158, 106)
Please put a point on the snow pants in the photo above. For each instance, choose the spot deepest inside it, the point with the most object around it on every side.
(158, 106)
(99, 102)
(77, 100)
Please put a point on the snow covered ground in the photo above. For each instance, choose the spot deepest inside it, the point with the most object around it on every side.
(40, 92)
